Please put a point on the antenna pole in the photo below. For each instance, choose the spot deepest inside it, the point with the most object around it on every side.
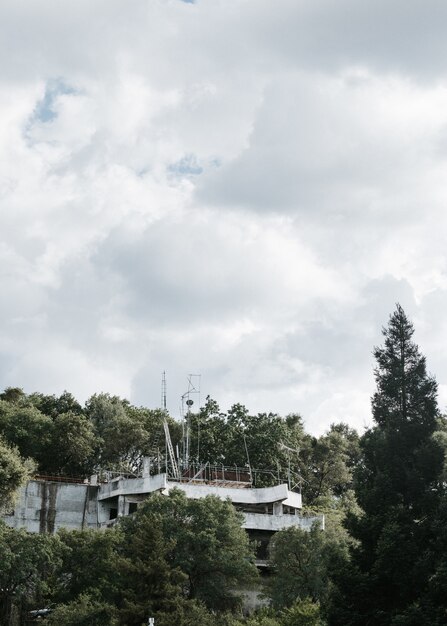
(186, 415)
(248, 459)
(163, 391)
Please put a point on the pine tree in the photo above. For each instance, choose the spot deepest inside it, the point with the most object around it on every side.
(397, 486)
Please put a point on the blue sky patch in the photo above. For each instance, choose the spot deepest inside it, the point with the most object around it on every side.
(186, 166)
(44, 110)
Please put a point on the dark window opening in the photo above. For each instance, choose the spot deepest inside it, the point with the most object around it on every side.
(133, 506)
(113, 513)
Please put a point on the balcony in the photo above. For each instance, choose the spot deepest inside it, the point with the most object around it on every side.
(273, 523)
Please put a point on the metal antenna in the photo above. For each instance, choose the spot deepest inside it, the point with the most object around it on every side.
(282, 446)
(163, 391)
(248, 459)
(193, 388)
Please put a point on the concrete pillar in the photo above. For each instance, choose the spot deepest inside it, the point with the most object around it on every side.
(277, 508)
(146, 466)
(121, 506)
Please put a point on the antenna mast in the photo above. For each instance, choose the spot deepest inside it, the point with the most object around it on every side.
(169, 446)
(193, 388)
(163, 391)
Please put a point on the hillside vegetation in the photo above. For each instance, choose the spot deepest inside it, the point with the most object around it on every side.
(382, 559)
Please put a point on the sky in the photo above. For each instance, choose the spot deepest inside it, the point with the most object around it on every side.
(241, 189)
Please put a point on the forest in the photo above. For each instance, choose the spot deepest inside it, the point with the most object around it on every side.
(381, 559)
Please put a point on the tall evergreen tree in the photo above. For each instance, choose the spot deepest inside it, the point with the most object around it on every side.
(398, 488)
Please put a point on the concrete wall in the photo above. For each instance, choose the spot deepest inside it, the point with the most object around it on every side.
(44, 506)
(272, 523)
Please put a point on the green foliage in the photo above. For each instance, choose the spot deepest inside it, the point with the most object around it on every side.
(26, 428)
(148, 581)
(88, 564)
(110, 433)
(186, 613)
(14, 472)
(299, 561)
(325, 463)
(61, 444)
(13, 395)
(221, 438)
(71, 451)
(125, 433)
(63, 438)
(86, 610)
(205, 542)
(53, 405)
(304, 612)
(261, 618)
(175, 559)
(27, 562)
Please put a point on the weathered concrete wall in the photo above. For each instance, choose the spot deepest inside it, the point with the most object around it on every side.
(45, 506)
(273, 523)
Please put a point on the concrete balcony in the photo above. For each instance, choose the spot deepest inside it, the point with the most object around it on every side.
(273, 523)
(130, 486)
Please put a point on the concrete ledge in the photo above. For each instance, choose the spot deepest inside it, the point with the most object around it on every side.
(273, 523)
(132, 486)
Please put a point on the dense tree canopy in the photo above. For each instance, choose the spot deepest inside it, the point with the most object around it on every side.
(176, 559)
(206, 543)
(27, 562)
(64, 438)
(299, 559)
(381, 559)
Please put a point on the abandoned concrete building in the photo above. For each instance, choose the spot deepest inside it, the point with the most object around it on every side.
(46, 504)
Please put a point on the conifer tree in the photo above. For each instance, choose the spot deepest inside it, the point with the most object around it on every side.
(397, 486)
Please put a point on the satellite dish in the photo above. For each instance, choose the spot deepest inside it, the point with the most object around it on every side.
(190, 402)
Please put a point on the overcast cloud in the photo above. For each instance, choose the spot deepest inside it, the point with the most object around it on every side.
(237, 188)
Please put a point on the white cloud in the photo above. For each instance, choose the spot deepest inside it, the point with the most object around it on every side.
(220, 187)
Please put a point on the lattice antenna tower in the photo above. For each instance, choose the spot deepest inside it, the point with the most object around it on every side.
(169, 447)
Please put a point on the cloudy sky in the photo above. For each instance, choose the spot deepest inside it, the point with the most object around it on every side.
(241, 189)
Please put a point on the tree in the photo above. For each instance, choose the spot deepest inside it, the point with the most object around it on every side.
(26, 428)
(205, 543)
(71, 449)
(88, 564)
(326, 464)
(226, 438)
(260, 618)
(398, 488)
(13, 395)
(125, 433)
(299, 562)
(85, 610)
(149, 579)
(27, 562)
(14, 471)
(303, 613)
(132, 571)
(53, 405)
